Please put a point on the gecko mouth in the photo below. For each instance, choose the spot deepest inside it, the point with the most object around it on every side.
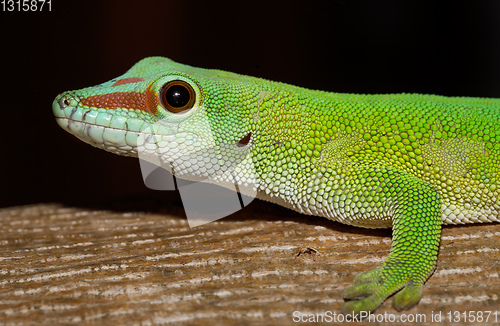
(116, 133)
(119, 141)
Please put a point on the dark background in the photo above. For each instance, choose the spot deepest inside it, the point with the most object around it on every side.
(448, 48)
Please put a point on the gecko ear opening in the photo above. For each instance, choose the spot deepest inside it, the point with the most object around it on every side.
(177, 96)
(245, 140)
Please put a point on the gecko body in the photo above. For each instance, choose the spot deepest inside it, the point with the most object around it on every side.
(407, 161)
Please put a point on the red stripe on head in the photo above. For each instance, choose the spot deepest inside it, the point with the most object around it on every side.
(152, 100)
(124, 100)
(147, 101)
(128, 81)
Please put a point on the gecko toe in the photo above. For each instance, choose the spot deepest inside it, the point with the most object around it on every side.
(358, 307)
(408, 297)
(359, 291)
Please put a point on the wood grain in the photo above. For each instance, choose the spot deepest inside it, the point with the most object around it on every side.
(138, 263)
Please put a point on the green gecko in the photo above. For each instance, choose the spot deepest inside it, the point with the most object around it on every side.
(407, 161)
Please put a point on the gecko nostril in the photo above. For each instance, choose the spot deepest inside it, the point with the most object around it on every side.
(65, 101)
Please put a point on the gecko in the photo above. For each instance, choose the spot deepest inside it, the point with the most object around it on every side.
(409, 162)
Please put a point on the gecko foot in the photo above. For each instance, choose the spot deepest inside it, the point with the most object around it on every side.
(372, 288)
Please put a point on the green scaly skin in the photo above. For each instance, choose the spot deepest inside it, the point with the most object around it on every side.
(407, 161)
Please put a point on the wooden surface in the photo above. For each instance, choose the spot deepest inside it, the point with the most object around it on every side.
(138, 263)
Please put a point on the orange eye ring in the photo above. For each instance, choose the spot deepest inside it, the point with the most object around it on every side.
(177, 96)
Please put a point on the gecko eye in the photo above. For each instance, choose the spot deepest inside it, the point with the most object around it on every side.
(177, 96)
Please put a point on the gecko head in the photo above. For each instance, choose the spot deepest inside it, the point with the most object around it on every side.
(164, 112)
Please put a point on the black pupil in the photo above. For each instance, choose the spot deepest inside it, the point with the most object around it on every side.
(177, 96)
